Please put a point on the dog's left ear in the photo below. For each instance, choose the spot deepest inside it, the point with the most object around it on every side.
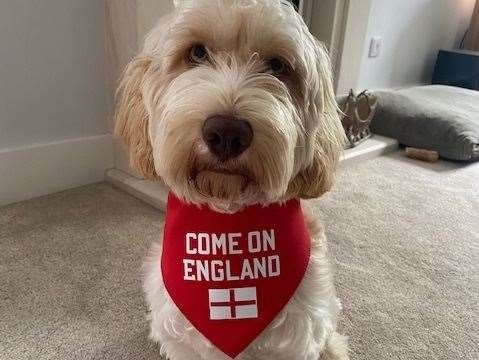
(132, 118)
(326, 134)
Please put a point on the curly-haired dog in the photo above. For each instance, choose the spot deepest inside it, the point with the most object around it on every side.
(231, 103)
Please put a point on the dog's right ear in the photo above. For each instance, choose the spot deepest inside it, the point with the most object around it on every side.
(132, 118)
(328, 140)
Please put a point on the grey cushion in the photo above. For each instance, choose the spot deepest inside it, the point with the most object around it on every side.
(440, 118)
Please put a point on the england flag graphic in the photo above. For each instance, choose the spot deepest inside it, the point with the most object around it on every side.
(230, 304)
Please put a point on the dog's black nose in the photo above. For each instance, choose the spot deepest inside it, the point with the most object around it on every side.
(227, 137)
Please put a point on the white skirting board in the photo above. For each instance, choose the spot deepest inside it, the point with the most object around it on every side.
(155, 193)
(373, 147)
(37, 170)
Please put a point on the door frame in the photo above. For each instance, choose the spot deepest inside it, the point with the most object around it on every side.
(306, 10)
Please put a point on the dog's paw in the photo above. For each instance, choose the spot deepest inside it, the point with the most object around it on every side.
(336, 348)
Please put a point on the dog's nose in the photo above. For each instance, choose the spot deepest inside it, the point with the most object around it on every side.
(227, 137)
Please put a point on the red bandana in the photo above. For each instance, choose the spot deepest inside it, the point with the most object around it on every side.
(231, 274)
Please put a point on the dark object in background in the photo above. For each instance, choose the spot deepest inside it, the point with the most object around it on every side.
(457, 68)
(358, 112)
(422, 154)
(296, 3)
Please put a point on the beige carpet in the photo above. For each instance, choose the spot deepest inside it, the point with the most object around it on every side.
(404, 234)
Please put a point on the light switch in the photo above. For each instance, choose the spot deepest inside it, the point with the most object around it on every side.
(375, 46)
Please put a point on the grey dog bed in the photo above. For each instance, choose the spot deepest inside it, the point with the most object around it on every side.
(440, 118)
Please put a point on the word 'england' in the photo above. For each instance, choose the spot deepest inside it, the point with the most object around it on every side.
(231, 256)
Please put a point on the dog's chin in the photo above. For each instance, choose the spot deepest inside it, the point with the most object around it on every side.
(224, 185)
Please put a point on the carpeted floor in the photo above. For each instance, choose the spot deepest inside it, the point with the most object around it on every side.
(404, 235)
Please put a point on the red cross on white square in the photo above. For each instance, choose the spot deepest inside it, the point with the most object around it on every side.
(240, 303)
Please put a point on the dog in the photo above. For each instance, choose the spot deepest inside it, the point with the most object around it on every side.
(231, 104)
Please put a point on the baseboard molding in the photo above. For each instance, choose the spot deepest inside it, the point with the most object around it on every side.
(154, 193)
(37, 170)
(376, 146)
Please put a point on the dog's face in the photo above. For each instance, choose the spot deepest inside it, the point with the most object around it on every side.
(232, 101)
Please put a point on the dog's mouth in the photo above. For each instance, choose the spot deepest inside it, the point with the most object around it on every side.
(221, 182)
(221, 169)
(225, 172)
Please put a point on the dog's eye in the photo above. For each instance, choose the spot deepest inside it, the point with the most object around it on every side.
(198, 54)
(277, 66)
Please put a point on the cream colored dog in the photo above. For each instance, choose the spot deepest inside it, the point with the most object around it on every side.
(231, 103)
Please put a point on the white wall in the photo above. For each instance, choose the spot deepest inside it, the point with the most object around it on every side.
(413, 31)
(52, 70)
(52, 93)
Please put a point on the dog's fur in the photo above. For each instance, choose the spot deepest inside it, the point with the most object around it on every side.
(164, 99)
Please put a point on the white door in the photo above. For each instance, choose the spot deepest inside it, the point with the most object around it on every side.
(128, 23)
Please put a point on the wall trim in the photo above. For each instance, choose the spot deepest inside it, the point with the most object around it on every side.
(154, 193)
(36, 170)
